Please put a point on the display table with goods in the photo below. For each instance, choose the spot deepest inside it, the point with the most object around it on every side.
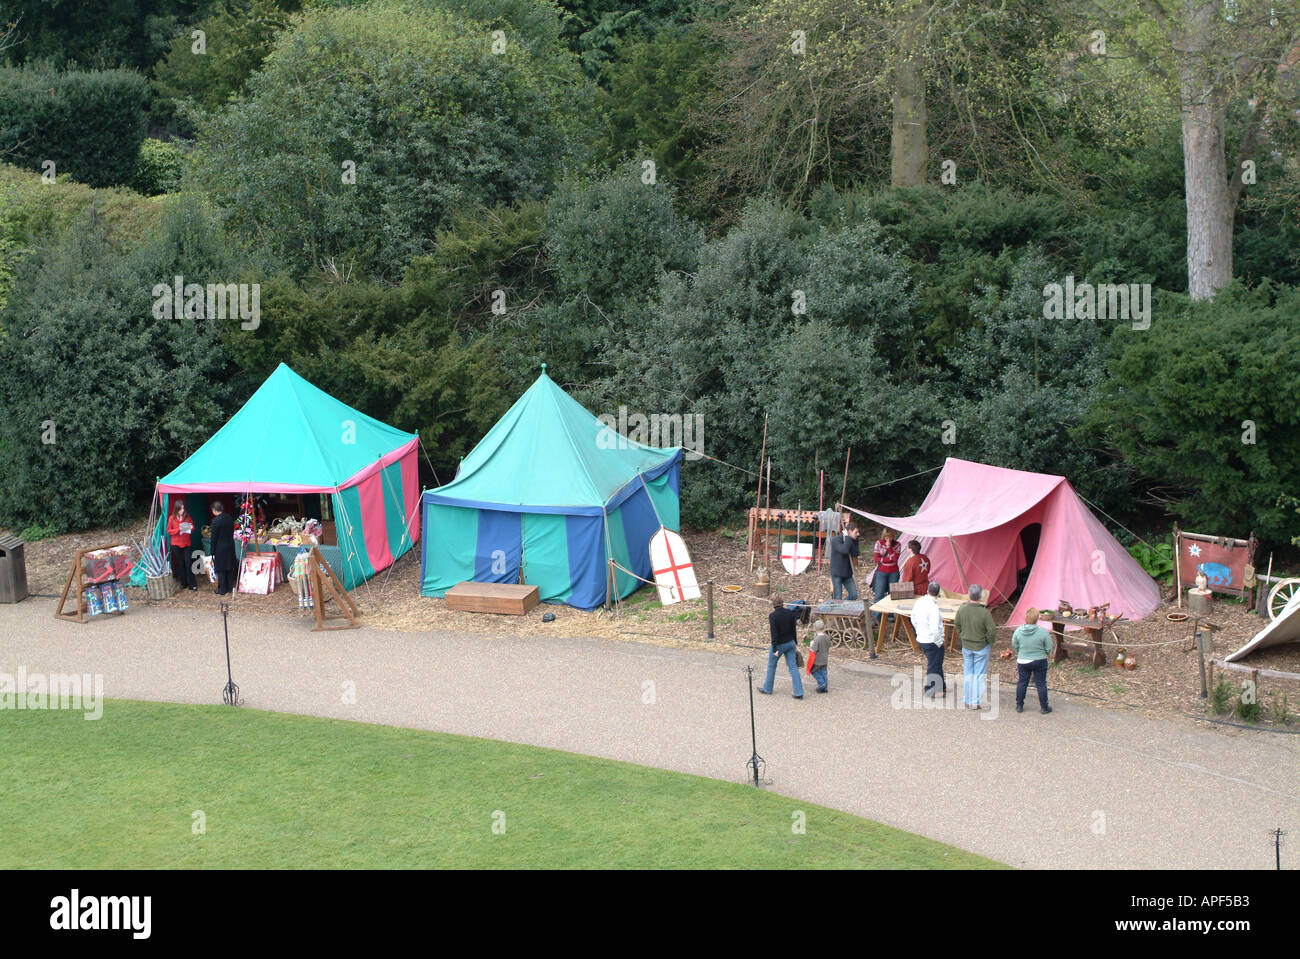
(1092, 621)
(95, 581)
(899, 612)
(284, 540)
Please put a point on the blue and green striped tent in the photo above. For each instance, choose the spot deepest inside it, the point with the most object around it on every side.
(549, 497)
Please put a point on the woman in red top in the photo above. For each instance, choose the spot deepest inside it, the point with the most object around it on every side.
(179, 529)
(886, 555)
(916, 569)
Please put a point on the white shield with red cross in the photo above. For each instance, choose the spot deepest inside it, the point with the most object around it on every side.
(795, 557)
(673, 572)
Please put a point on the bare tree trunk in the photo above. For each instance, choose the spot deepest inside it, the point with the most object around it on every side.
(1211, 203)
(909, 143)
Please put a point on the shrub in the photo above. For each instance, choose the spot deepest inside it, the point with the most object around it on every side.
(610, 239)
(88, 122)
(433, 120)
(1202, 406)
(237, 38)
(123, 396)
(158, 168)
(1220, 697)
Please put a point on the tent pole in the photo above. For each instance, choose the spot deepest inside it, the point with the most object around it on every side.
(962, 571)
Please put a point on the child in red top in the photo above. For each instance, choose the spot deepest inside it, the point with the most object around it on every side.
(179, 529)
(886, 554)
(916, 569)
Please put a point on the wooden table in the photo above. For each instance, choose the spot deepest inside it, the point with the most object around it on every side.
(1093, 627)
(846, 622)
(900, 613)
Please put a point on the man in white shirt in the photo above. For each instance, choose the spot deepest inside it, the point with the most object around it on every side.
(927, 621)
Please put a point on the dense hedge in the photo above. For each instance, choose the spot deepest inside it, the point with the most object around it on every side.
(89, 122)
(100, 396)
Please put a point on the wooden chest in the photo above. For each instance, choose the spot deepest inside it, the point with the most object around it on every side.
(512, 599)
(904, 590)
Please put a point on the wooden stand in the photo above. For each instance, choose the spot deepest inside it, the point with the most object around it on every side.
(762, 518)
(77, 580)
(1199, 601)
(323, 579)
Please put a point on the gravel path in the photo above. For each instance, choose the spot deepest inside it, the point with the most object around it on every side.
(1083, 787)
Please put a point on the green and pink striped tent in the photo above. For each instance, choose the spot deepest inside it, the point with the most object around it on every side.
(292, 437)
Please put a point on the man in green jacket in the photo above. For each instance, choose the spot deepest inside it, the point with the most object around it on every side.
(977, 631)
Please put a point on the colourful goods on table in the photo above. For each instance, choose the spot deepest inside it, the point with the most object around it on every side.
(300, 576)
(260, 573)
(244, 526)
(295, 532)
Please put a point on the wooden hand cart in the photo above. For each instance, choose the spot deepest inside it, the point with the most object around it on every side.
(846, 622)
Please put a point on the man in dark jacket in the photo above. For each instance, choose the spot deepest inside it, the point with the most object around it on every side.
(783, 623)
(223, 548)
(843, 550)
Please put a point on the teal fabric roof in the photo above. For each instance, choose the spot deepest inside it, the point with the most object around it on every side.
(289, 437)
(547, 451)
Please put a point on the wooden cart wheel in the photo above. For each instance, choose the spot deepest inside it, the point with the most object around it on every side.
(836, 635)
(1281, 595)
(855, 638)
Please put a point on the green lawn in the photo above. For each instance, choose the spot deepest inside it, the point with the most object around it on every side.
(297, 792)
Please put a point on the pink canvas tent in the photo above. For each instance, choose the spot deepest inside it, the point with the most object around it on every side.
(970, 526)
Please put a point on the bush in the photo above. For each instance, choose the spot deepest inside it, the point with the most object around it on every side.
(1157, 560)
(654, 85)
(433, 120)
(1203, 407)
(158, 168)
(32, 211)
(1025, 383)
(1220, 697)
(237, 39)
(782, 315)
(101, 397)
(611, 239)
(390, 352)
(88, 122)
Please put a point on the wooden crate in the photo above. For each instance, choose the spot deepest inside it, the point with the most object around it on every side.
(904, 590)
(509, 598)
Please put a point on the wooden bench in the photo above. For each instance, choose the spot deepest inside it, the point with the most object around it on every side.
(509, 598)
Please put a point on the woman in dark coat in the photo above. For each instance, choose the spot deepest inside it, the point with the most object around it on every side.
(223, 548)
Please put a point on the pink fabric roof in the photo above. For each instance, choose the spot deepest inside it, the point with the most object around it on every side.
(975, 513)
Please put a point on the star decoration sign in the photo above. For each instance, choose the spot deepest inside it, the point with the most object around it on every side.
(1194, 550)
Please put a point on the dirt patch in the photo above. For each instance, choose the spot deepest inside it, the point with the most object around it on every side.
(1165, 682)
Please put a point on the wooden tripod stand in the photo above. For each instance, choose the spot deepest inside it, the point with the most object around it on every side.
(323, 580)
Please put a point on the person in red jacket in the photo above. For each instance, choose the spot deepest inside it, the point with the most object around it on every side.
(179, 529)
(916, 569)
(885, 554)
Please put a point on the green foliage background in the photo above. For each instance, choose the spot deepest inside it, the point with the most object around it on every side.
(503, 216)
